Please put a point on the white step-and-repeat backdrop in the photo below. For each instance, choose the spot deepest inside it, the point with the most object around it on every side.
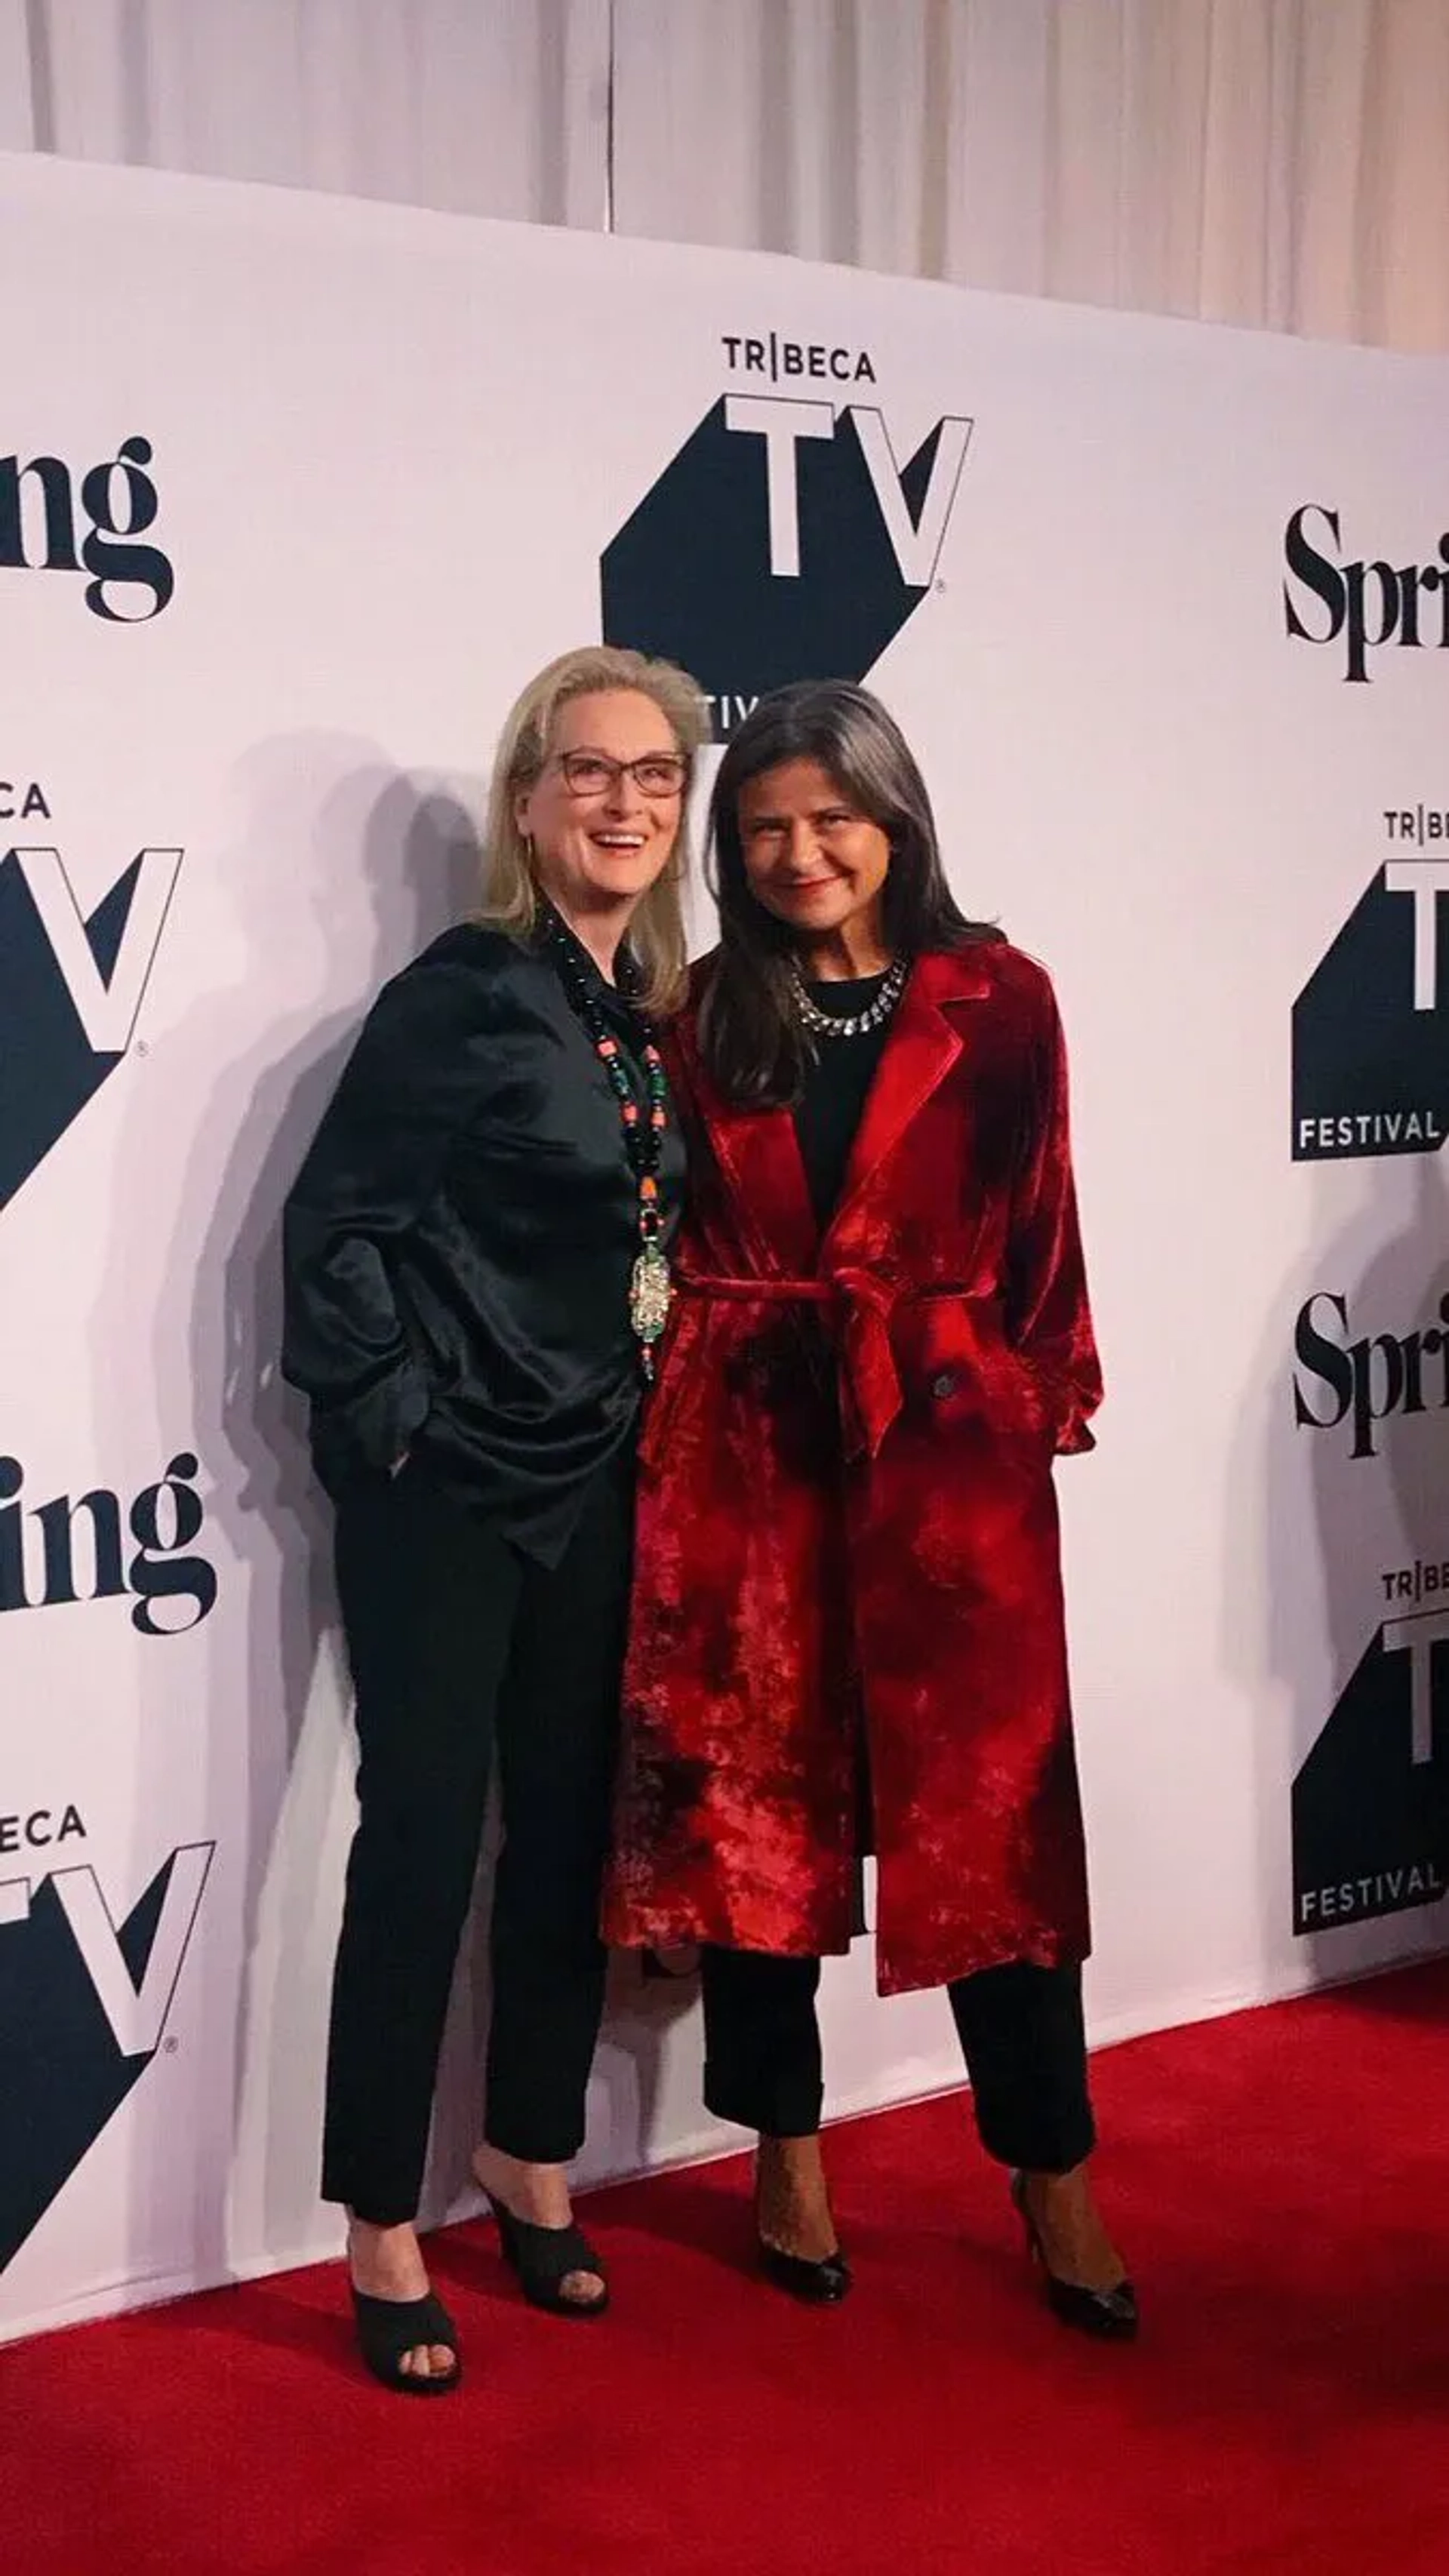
(293, 497)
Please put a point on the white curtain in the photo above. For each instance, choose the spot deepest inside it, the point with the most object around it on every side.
(484, 107)
(1278, 162)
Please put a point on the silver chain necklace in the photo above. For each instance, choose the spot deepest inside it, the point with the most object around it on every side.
(830, 1024)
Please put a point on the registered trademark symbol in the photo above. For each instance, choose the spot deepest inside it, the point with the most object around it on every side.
(170, 2047)
(143, 1046)
(940, 587)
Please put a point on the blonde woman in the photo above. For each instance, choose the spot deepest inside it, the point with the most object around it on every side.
(476, 1271)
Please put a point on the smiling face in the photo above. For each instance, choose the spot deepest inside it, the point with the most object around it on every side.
(815, 860)
(604, 812)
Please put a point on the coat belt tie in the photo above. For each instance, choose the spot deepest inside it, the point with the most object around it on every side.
(862, 1305)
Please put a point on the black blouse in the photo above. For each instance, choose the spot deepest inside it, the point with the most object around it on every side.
(458, 1243)
(835, 1090)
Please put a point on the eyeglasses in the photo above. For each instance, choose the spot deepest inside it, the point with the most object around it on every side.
(657, 774)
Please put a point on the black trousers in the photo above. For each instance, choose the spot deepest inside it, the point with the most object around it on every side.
(463, 1649)
(1020, 2029)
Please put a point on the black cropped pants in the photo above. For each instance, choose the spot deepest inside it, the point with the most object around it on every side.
(464, 1651)
(1021, 2033)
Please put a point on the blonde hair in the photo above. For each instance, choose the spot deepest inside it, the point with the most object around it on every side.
(510, 890)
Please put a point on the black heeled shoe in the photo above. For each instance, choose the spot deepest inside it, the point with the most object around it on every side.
(1110, 2315)
(543, 2257)
(388, 2329)
(822, 2283)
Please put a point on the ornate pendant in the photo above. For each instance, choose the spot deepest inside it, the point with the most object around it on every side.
(651, 1291)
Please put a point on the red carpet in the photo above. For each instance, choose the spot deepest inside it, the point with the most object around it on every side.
(1280, 2181)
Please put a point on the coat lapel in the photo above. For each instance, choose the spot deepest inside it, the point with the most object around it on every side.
(920, 1051)
(758, 1154)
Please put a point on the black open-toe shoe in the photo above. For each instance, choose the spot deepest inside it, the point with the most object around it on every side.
(822, 2282)
(543, 2258)
(1110, 2315)
(388, 2329)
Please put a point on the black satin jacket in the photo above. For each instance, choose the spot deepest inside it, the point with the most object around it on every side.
(458, 1244)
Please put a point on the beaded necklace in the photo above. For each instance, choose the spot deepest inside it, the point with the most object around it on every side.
(643, 1123)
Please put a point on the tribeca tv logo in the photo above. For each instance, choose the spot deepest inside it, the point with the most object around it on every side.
(1371, 1025)
(71, 988)
(84, 2004)
(784, 541)
(1371, 1801)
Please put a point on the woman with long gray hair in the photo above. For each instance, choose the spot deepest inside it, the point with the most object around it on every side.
(476, 1257)
(848, 1614)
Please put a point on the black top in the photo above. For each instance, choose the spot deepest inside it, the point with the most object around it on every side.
(835, 1089)
(459, 1240)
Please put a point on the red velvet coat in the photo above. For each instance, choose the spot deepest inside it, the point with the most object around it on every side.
(847, 1532)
